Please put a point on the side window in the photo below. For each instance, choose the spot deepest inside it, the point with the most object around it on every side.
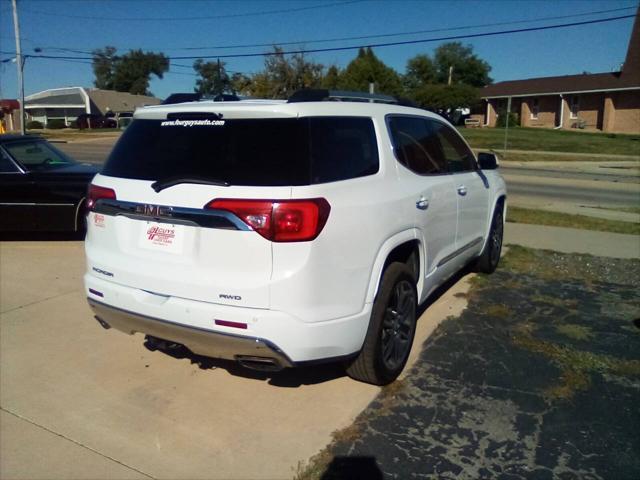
(342, 148)
(458, 156)
(416, 147)
(6, 165)
(36, 155)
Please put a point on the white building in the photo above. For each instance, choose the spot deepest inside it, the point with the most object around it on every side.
(69, 102)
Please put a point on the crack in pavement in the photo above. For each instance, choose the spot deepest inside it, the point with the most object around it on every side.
(36, 302)
(76, 442)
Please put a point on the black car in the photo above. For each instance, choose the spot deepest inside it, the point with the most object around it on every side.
(92, 120)
(41, 188)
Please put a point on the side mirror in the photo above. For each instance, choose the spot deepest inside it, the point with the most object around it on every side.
(487, 161)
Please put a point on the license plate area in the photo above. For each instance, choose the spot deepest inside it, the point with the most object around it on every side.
(162, 237)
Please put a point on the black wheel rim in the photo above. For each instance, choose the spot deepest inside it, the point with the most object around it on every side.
(398, 324)
(496, 239)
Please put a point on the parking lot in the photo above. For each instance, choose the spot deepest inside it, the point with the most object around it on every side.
(81, 402)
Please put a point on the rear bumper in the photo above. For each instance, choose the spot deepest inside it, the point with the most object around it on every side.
(269, 333)
(199, 341)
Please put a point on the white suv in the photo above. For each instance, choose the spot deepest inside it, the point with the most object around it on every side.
(283, 233)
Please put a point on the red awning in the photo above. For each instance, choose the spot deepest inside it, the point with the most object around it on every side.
(9, 105)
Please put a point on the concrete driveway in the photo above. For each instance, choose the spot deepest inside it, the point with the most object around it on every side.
(81, 402)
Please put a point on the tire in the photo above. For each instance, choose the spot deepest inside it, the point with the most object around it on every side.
(488, 260)
(391, 329)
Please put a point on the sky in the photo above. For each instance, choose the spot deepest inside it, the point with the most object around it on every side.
(73, 28)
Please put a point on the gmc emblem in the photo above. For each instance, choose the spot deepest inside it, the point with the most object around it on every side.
(154, 210)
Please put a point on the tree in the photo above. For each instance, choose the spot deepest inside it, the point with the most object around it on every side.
(240, 84)
(213, 78)
(467, 67)
(129, 72)
(420, 71)
(331, 80)
(104, 60)
(367, 68)
(282, 76)
(447, 97)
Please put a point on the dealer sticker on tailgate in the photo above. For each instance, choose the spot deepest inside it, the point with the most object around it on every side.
(162, 237)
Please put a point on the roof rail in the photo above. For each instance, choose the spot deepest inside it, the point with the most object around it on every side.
(197, 97)
(323, 95)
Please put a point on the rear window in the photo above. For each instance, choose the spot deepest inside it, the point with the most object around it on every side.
(253, 152)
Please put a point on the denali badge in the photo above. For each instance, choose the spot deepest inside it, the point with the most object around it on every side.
(230, 297)
(103, 272)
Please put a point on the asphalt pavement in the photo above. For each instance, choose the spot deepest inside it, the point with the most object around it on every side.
(567, 190)
(538, 379)
(95, 150)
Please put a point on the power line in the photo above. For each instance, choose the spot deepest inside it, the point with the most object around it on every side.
(408, 42)
(376, 45)
(199, 17)
(398, 34)
(364, 37)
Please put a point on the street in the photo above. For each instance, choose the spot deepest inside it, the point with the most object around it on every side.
(565, 186)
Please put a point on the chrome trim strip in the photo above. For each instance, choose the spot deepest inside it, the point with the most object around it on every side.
(199, 340)
(466, 247)
(201, 217)
(12, 160)
(24, 204)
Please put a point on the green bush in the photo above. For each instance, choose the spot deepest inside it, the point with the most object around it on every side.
(56, 124)
(73, 124)
(514, 120)
(34, 125)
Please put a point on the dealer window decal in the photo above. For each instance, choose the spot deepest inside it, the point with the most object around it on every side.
(192, 123)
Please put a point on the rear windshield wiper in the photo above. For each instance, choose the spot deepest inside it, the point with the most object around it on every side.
(159, 185)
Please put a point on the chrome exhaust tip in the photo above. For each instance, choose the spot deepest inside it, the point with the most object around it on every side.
(263, 364)
(102, 323)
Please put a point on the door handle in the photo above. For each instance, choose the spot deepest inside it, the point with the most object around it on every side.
(422, 204)
(462, 190)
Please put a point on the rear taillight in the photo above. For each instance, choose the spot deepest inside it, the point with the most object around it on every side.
(279, 220)
(95, 193)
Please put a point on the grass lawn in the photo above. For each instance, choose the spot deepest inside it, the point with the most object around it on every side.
(556, 219)
(553, 157)
(74, 134)
(553, 140)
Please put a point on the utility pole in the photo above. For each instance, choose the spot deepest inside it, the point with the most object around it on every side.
(506, 128)
(219, 80)
(19, 63)
(450, 74)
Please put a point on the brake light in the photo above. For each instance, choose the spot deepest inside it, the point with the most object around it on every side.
(96, 192)
(279, 220)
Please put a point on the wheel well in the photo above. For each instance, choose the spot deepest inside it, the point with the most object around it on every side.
(501, 202)
(407, 253)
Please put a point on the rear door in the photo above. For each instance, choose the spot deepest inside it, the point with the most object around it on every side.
(165, 240)
(430, 191)
(471, 189)
(16, 196)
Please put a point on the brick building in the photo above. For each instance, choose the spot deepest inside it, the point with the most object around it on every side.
(609, 102)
